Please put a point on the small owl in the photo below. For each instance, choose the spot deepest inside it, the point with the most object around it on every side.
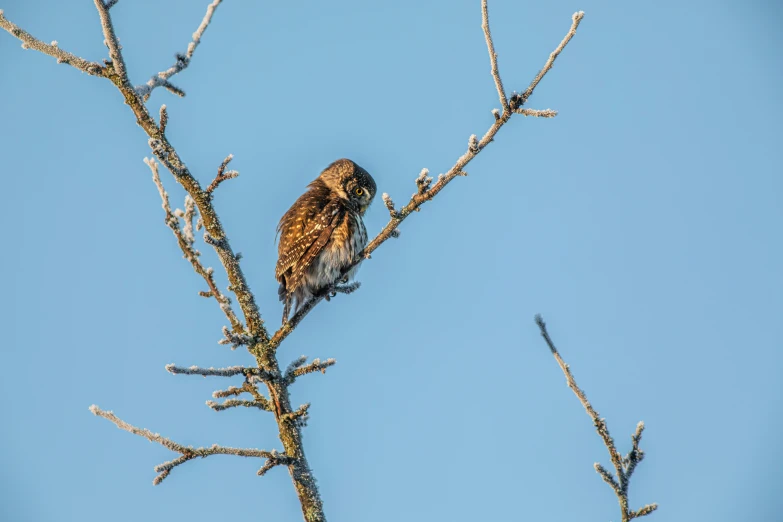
(322, 233)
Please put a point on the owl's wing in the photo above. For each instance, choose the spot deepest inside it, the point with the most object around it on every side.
(307, 243)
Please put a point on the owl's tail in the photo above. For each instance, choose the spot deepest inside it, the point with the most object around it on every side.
(285, 297)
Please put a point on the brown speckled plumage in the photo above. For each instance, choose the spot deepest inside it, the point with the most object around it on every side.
(323, 232)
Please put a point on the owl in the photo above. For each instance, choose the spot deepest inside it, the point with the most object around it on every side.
(322, 233)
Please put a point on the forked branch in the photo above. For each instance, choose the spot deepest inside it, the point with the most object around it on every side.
(624, 466)
(253, 333)
(425, 190)
(187, 452)
(182, 60)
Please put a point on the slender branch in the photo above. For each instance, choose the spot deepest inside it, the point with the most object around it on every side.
(233, 403)
(113, 43)
(183, 60)
(212, 372)
(397, 216)
(493, 57)
(222, 175)
(53, 49)
(646, 510)
(608, 478)
(545, 113)
(636, 455)
(257, 339)
(299, 416)
(188, 452)
(228, 392)
(164, 119)
(234, 339)
(522, 98)
(622, 468)
(185, 240)
(166, 153)
(297, 368)
(277, 459)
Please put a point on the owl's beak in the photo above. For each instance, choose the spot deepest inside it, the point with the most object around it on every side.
(363, 209)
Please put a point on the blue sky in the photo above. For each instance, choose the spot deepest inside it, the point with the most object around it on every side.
(643, 223)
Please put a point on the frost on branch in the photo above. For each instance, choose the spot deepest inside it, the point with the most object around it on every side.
(624, 466)
(182, 60)
(254, 335)
(188, 452)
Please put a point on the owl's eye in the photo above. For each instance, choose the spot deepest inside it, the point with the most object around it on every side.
(358, 191)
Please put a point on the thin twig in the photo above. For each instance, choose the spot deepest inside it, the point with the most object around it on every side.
(623, 470)
(233, 403)
(113, 43)
(493, 57)
(53, 49)
(522, 98)
(212, 372)
(183, 60)
(475, 146)
(222, 175)
(188, 452)
(297, 368)
(164, 119)
(185, 240)
(538, 113)
(228, 392)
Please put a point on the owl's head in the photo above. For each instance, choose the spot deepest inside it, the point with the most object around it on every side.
(350, 182)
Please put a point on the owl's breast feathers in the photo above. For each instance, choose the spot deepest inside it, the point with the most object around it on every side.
(305, 231)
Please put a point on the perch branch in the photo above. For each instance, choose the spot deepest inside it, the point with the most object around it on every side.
(623, 467)
(188, 452)
(544, 113)
(397, 216)
(260, 345)
(113, 43)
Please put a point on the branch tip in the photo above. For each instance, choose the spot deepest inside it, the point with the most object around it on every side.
(181, 60)
(493, 57)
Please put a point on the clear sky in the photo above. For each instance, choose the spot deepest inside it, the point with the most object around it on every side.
(644, 223)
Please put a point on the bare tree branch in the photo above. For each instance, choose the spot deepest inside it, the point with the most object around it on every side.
(233, 403)
(222, 175)
(623, 467)
(212, 372)
(475, 146)
(188, 452)
(113, 43)
(254, 335)
(53, 49)
(183, 60)
(545, 113)
(185, 241)
(522, 98)
(297, 368)
(493, 57)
